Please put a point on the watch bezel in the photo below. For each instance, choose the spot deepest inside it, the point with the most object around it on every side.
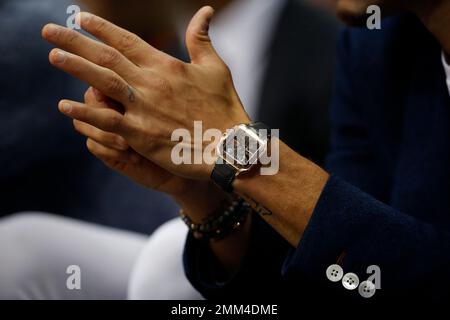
(262, 143)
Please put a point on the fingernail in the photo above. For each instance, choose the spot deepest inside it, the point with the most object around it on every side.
(59, 56)
(51, 30)
(98, 95)
(66, 107)
(206, 24)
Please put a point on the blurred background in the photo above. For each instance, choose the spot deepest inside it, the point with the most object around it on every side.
(281, 54)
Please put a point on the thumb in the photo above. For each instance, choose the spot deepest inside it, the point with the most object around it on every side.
(198, 41)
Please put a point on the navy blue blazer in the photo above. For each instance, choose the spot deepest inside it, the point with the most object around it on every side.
(387, 202)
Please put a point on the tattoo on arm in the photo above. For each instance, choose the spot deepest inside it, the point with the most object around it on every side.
(131, 95)
(259, 208)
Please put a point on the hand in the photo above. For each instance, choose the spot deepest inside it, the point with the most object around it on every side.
(115, 152)
(197, 198)
(159, 93)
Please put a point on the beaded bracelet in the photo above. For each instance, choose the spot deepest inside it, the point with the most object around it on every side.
(217, 227)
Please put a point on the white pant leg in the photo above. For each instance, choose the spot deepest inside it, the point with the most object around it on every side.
(36, 249)
(158, 273)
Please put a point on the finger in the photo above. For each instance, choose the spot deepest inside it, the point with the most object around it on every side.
(107, 154)
(198, 42)
(94, 98)
(129, 44)
(103, 118)
(94, 51)
(104, 79)
(107, 139)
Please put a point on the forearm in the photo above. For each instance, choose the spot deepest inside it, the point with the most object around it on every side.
(289, 197)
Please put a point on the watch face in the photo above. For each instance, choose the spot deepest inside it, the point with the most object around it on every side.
(241, 148)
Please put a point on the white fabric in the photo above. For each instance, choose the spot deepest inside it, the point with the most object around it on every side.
(241, 34)
(36, 250)
(447, 70)
(158, 273)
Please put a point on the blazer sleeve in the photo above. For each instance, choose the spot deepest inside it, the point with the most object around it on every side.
(354, 227)
(347, 225)
(266, 254)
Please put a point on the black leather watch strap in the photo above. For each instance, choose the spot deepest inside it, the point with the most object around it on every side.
(223, 175)
(260, 126)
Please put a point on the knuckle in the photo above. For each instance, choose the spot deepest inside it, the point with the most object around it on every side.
(111, 139)
(152, 146)
(114, 85)
(108, 57)
(105, 138)
(128, 41)
(81, 113)
(99, 25)
(176, 66)
(201, 37)
(70, 36)
(117, 142)
(113, 122)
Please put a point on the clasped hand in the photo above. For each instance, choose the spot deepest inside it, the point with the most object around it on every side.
(142, 94)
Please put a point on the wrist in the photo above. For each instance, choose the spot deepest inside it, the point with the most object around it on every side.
(227, 219)
(201, 200)
(287, 199)
(292, 168)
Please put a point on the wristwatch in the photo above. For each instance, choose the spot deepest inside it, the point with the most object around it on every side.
(238, 151)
